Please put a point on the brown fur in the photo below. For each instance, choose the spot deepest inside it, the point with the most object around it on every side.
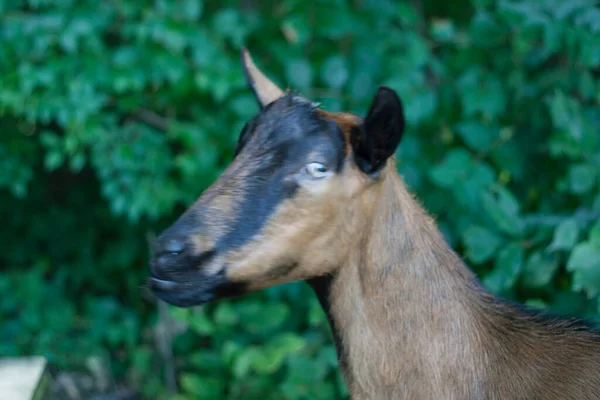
(412, 320)
(415, 325)
(346, 121)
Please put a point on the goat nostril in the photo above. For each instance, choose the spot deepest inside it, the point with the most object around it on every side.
(174, 246)
(169, 252)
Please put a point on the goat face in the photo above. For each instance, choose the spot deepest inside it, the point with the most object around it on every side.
(285, 208)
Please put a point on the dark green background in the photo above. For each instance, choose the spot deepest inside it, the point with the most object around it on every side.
(115, 115)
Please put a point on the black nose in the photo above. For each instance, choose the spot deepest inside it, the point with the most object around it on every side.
(167, 253)
(174, 245)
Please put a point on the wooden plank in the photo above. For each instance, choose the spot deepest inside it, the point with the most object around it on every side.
(23, 378)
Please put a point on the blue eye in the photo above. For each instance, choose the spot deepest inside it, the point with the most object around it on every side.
(317, 170)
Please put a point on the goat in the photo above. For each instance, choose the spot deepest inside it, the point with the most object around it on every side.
(315, 196)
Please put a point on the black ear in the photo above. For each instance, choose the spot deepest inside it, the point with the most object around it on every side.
(376, 139)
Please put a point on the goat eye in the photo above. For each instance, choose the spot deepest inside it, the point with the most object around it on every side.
(316, 170)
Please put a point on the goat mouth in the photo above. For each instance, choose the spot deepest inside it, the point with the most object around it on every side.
(180, 294)
(163, 284)
(195, 290)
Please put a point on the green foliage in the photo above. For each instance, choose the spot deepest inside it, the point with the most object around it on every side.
(255, 351)
(116, 115)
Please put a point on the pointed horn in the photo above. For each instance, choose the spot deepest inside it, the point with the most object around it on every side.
(264, 89)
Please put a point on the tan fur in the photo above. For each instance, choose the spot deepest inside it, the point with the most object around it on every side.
(411, 318)
(416, 326)
(412, 321)
(219, 204)
(299, 232)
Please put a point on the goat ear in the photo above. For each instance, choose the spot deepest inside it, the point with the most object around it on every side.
(376, 139)
(264, 89)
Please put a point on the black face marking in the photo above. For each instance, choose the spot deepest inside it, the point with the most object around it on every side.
(270, 155)
(277, 143)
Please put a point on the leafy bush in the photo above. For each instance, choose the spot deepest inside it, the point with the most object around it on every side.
(116, 115)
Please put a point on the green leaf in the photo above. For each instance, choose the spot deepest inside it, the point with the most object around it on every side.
(77, 162)
(468, 191)
(485, 31)
(201, 324)
(192, 9)
(299, 73)
(511, 84)
(179, 396)
(227, 23)
(507, 268)
(226, 314)
(443, 30)
(335, 25)
(539, 270)
(453, 168)
(589, 54)
(481, 243)
(335, 72)
(204, 387)
(503, 209)
(421, 106)
(477, 136)
(566, 114)
(296, 29)
(54, 159)
(482, 94)
(231, 350)
(582, 178)
(536, 303)
(287, 343)
(584, 262)
(595, 235)
(245, 360)
(206, 360)
(565, 235)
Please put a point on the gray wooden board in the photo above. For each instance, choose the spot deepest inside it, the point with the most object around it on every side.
(21, 378)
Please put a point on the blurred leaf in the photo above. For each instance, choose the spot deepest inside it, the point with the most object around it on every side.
(54, 160)
(287, 343)
(443, 30)
(117, 115)
(566, 114)
(335, 72)
(245, 360)
(202, 387)
(582, 178)
(507, 268)
(299, 73)
(481, 243)
(477, 136)
(454, 167)
(565, 235)
(225, 314)
(584, 262)
(206, 360)
(539, 270)
(201, 324)
(485, 31)
(595, 235)
(503, 209)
